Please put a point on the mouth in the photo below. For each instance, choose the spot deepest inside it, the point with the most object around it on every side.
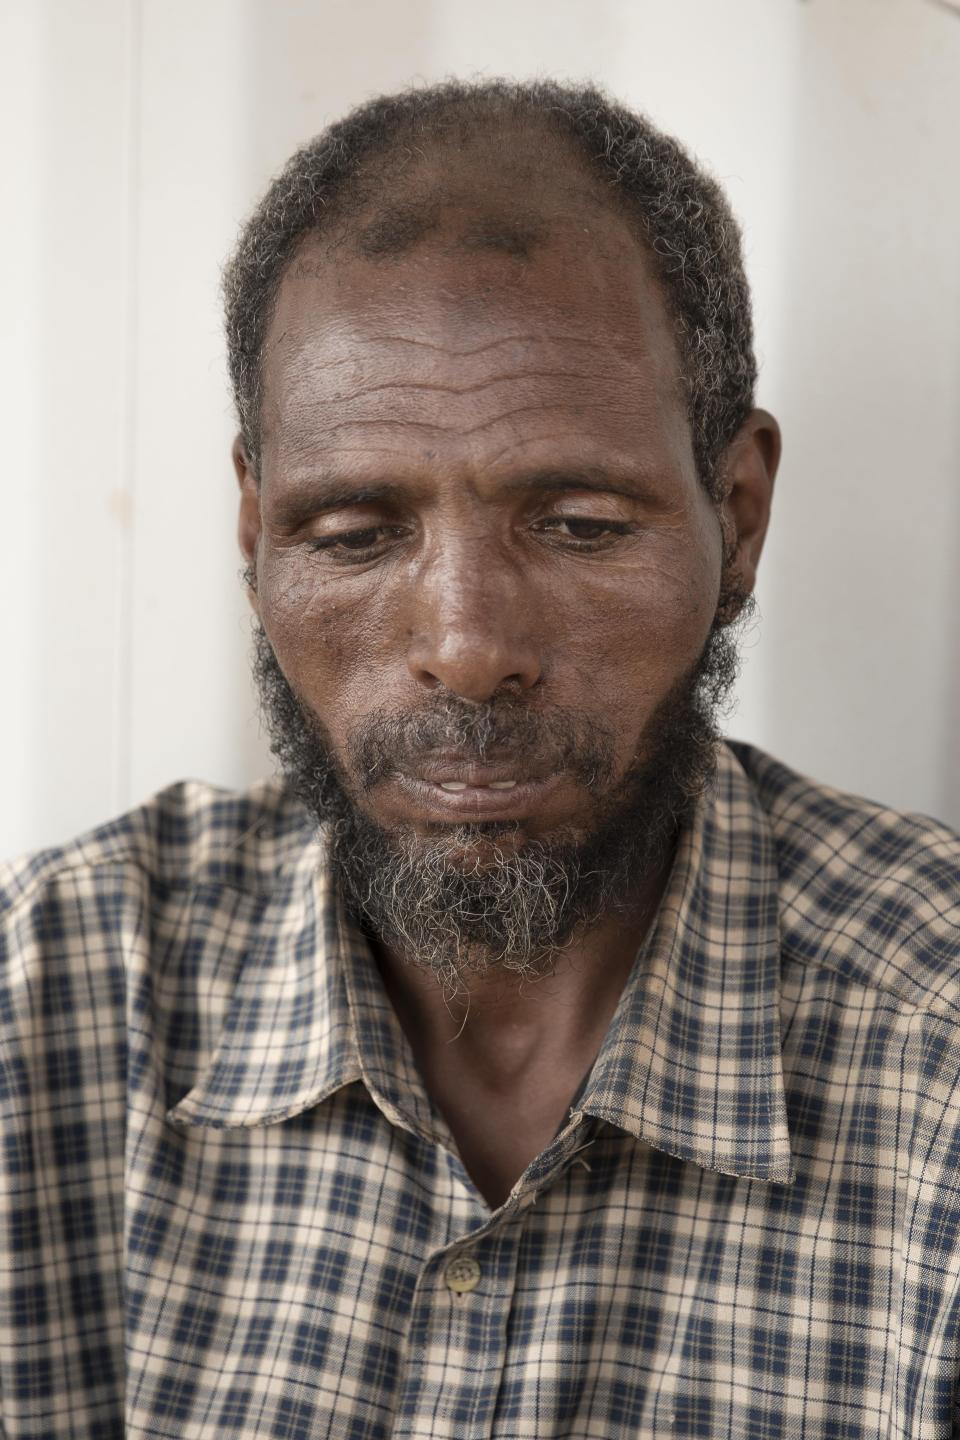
(446, 787)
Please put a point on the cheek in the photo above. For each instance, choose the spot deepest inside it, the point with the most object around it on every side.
(643, 631)
(323, 631)
(648, 642)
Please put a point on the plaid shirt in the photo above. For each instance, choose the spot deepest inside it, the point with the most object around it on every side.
(230, 1208)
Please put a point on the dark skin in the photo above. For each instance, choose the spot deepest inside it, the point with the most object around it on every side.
(492, 455)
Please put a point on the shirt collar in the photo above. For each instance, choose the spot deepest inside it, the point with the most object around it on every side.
(288, 1041)
(690, 1065)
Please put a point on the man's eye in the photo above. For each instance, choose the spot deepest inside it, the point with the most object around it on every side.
(355, 544)
(583, 530)
(578, 532)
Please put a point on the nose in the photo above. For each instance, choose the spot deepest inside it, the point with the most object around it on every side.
(470, 627)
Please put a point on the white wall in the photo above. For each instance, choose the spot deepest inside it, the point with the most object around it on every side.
(137, 134)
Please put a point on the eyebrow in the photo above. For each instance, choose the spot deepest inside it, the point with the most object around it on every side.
(321, 493)
(610, 482)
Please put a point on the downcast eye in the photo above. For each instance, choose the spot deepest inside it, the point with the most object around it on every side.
(355, 543)
(584, 528)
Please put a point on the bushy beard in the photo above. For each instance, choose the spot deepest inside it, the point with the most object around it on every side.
(461, 898)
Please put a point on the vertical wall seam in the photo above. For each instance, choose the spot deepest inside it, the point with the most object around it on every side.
(132, 146)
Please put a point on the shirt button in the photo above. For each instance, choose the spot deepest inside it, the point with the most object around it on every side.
(462, 1274)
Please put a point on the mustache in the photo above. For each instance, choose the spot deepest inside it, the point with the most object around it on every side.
(386, 742)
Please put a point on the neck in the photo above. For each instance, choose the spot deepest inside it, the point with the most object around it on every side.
(504, 1058)
(571, 1003)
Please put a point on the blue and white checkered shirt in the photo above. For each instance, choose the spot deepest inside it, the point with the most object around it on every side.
(229, 1207)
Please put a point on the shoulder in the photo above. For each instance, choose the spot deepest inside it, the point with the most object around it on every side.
(188, 835)
(130, 939)
(152, 913)
(868, 892)
(190, 863)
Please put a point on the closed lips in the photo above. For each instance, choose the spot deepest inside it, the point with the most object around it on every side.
(462, 785)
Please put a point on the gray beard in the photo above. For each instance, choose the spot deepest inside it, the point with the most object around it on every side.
(457, 901)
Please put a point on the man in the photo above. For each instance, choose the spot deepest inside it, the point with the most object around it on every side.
(526, 1062)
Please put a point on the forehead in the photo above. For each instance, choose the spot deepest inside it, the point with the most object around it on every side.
(471, 349)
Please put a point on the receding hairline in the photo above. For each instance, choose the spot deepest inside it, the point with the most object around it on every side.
(504, 195)
(671, 203)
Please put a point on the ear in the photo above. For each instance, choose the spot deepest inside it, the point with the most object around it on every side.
(248, 529)
(749, 469)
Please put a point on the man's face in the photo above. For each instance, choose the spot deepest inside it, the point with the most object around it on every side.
(484, 560)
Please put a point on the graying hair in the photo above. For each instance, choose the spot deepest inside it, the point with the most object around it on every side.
(681, 215)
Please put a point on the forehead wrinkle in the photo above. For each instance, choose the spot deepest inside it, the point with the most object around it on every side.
(308, 406)
(470, 350)
(409, 423)
(343, 301)
(308, 421)
(297, 345)
(484, 293)
(440, 387)
(322, 365)
(626, 463)
(303, 367)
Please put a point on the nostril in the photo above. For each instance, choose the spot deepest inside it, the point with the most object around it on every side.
(472, 670)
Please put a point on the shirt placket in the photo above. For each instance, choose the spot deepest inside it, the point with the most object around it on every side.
(458, 1335)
